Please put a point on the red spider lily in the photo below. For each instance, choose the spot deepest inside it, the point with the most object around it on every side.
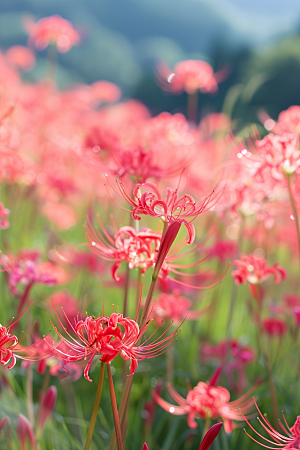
(254, 269)
(280, 153)
(172, 208)
(191, 76)
(174, 307)
(26, 269)
(4, 223)
(103, 336)
(289, 440)
(10, 346)
(137, 248)
(207, 401)
(52, 30)
(274, 326)
(233, 356)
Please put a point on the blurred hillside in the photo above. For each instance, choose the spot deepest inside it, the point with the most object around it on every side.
(122, 39)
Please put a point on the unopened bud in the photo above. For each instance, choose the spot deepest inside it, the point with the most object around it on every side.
(24, 432)
(47, 406)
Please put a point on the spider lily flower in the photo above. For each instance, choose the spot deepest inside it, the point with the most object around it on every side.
(137, 248)
(20, 57)
(172, 208)
(7, 346)
(52, 30)
(290, 440)
(255, 270)
(108, 337)
(207, 400)
(280, 154)
(190, 76)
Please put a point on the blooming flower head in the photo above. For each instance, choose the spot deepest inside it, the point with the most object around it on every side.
(280, 153)
(107, 337)
(26, 269)
(137, 248)
(207, 401)
(254, 270)
(190, 75)
(172, 208)
(290, 440)
(52, 30)
(7, 345)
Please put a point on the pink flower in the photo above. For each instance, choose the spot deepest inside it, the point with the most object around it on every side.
(137, 248)
(52, 30)
(191, 76)
(4, 223)
(207, 401)
(108, 337)
(289, 440)
(254, 270)
(26, 269)
(280, 153)
(172, 208)
(7, 345)
(274, 326)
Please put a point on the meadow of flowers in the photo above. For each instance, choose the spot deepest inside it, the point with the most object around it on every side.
(149, 265)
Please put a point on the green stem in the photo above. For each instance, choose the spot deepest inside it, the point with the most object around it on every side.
(29, 396)
(295, 212)
(114, 408)
(123, 410)
(206, 427)
(192, 107)
(95, 409)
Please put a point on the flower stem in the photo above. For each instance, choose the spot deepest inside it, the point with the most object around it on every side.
(206, 427)
(114, 408)
(123, 410)
(295, 212)
(29, 395)
(192, 107)
(95, 409)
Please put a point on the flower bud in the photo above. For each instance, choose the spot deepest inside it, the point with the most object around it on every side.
(25, 431)
(210, 436)
(47, 406)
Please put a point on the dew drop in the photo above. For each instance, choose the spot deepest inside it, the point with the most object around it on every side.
(292, 217)
(172, 409)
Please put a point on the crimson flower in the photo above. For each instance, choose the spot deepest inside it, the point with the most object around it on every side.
(137, 248)
(108, 337)
(290, 440)
(274, 326)
(207, 401)
(172, 208)
(254, 269)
